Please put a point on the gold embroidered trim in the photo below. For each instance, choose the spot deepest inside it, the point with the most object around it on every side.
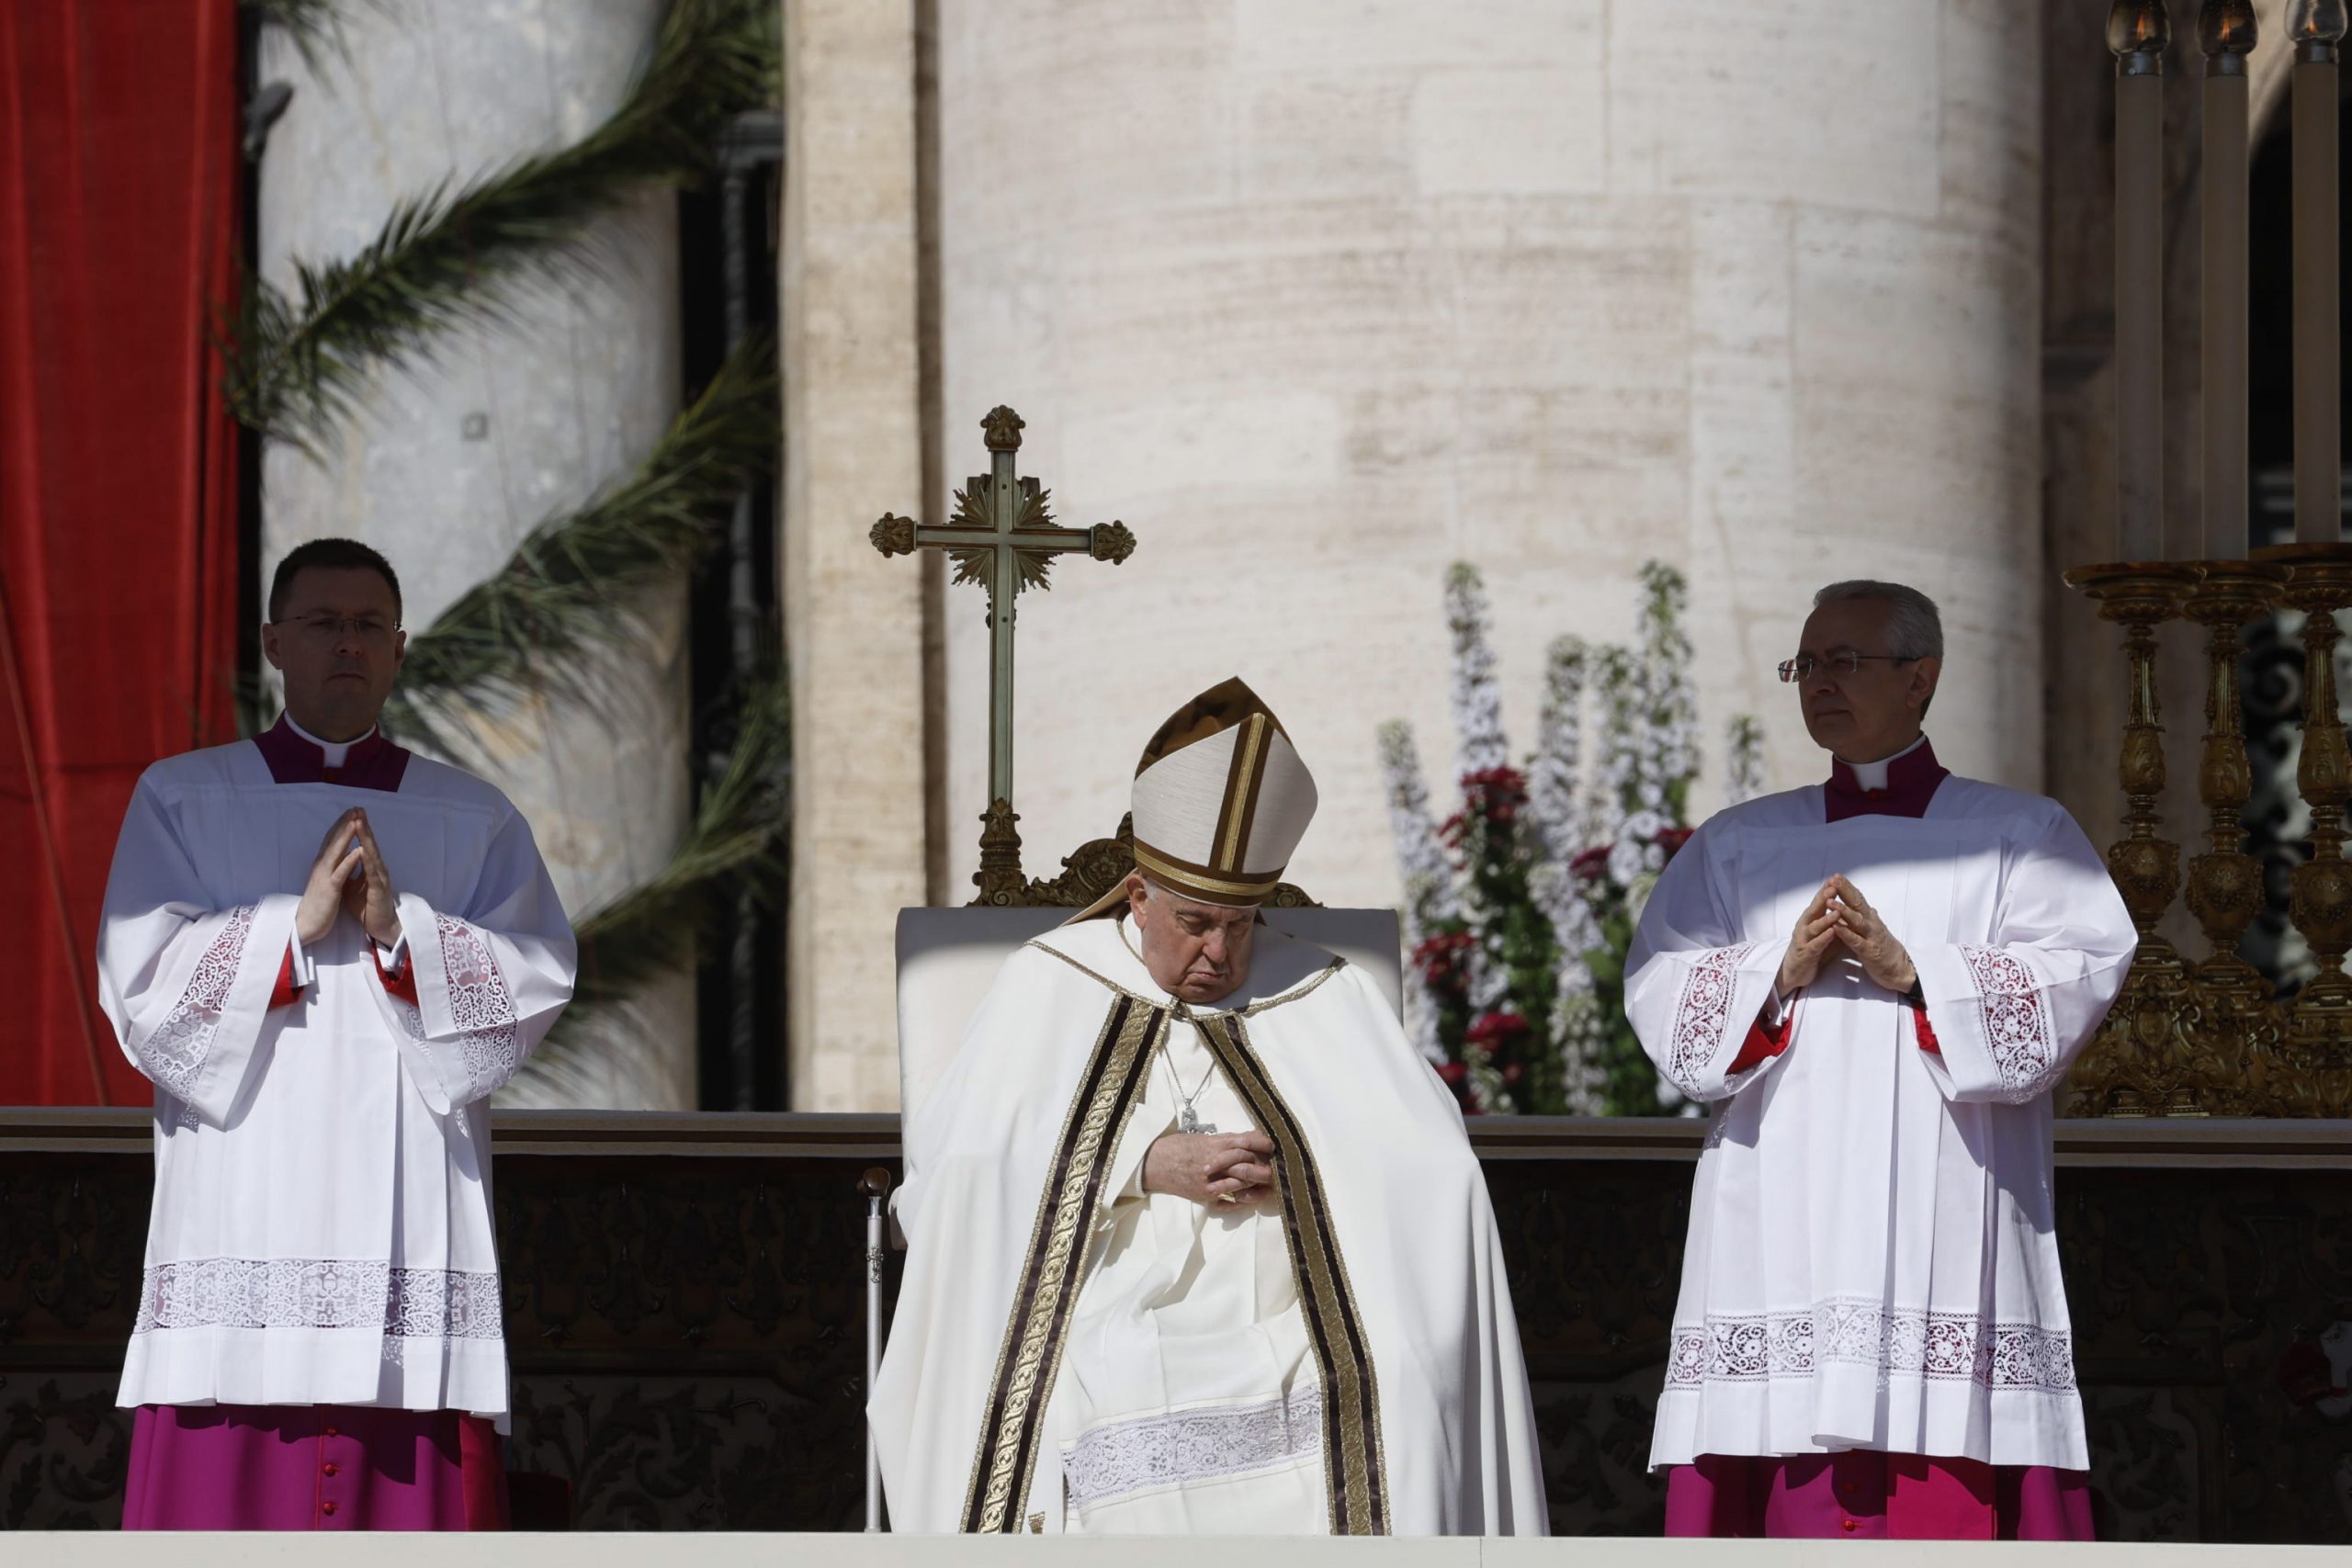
(1011, 1429)
(1305, 988)
(1241, 790)
(1354, 1468)
(1187, 881)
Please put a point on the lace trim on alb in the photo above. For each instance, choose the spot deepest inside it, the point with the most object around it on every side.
(175, 1055)
(2018, 1030)
(320, 1292)
(489, 1045)
(1128, 1456)
(1701, 1012)
(480, 1006)
(1938, 1346)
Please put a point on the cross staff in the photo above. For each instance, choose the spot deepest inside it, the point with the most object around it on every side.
(1002, 538)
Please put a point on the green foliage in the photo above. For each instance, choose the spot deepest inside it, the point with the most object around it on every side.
(738, 844)
(314, 27)
(1504, 1044)
(453, 254)
(561, 591)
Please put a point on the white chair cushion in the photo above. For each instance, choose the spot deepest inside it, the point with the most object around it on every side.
(948, 958)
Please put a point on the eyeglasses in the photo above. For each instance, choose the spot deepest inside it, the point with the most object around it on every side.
(1843, 663)
(329, 628)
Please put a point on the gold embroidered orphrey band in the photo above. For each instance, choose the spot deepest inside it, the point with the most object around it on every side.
(1033, 1334)
(1354, 1474)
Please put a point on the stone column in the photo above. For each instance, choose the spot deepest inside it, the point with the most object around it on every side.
(1320, 296)
(853, 620)
(451, 462)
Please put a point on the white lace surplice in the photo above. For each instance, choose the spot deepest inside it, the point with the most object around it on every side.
(321, 1225)
(1872, 1261)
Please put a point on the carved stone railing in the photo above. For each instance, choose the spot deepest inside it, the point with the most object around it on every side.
(685, 1311)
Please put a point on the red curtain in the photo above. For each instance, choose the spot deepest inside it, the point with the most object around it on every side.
(118, 220)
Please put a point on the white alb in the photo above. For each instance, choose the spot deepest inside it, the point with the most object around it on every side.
(1872, 1261)
(321, 1225)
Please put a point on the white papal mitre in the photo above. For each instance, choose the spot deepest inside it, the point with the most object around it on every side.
(1221, 800)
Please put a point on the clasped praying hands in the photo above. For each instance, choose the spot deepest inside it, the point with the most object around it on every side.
(349, 878)
(1838, 915)
(1232, 1169)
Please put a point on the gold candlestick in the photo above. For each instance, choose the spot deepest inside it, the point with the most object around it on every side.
(2317, 28)
(2137, 34)
(2227, 32)
(2237, 1023)
(2315, 1055)
(2144, 1052)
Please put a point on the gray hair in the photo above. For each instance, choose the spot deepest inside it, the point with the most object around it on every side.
(1913, 623)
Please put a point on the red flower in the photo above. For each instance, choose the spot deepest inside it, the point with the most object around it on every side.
(1496, 793)
(1593, 864)
(1673, 839)
(1452, 1072)
(1494, 1030)
(1439, 958)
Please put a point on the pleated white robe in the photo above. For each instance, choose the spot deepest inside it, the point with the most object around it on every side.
(1872, 1261)
(1070, 1353)
(321, 1229)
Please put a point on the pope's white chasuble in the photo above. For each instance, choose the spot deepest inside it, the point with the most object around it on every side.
(1872, 1261)
(1072, 1353)
(321, 1225)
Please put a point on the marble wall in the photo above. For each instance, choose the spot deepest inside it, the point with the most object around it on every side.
(852, 621)
(1320, 296)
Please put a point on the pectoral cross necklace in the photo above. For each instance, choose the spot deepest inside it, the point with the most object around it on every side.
(1187, 1119)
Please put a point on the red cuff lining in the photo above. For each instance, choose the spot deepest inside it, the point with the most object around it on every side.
(402, 985)
(282, 993)
(1924, 1029)
(1763, 1043)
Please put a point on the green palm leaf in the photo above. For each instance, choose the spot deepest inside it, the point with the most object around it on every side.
(736, 845)
(563, 589)
(298, 362)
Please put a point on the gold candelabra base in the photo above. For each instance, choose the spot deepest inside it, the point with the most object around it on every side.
(2143, 1060)
(2211, 1038)
(2315, 1054)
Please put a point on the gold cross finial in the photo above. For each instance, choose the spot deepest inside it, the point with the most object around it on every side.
(1003, 538)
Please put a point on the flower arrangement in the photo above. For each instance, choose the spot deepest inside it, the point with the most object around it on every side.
(1519, 906)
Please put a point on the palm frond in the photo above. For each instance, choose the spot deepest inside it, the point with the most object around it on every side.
(313, 27)
(736, 846)
(299, 361)
(559, 592)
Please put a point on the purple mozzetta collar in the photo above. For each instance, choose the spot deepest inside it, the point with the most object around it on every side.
(372, 763)
(1911, 780)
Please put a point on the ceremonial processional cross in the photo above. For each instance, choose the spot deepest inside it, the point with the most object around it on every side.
(1002, 537)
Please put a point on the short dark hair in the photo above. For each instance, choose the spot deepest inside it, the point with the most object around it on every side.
(330, 555)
